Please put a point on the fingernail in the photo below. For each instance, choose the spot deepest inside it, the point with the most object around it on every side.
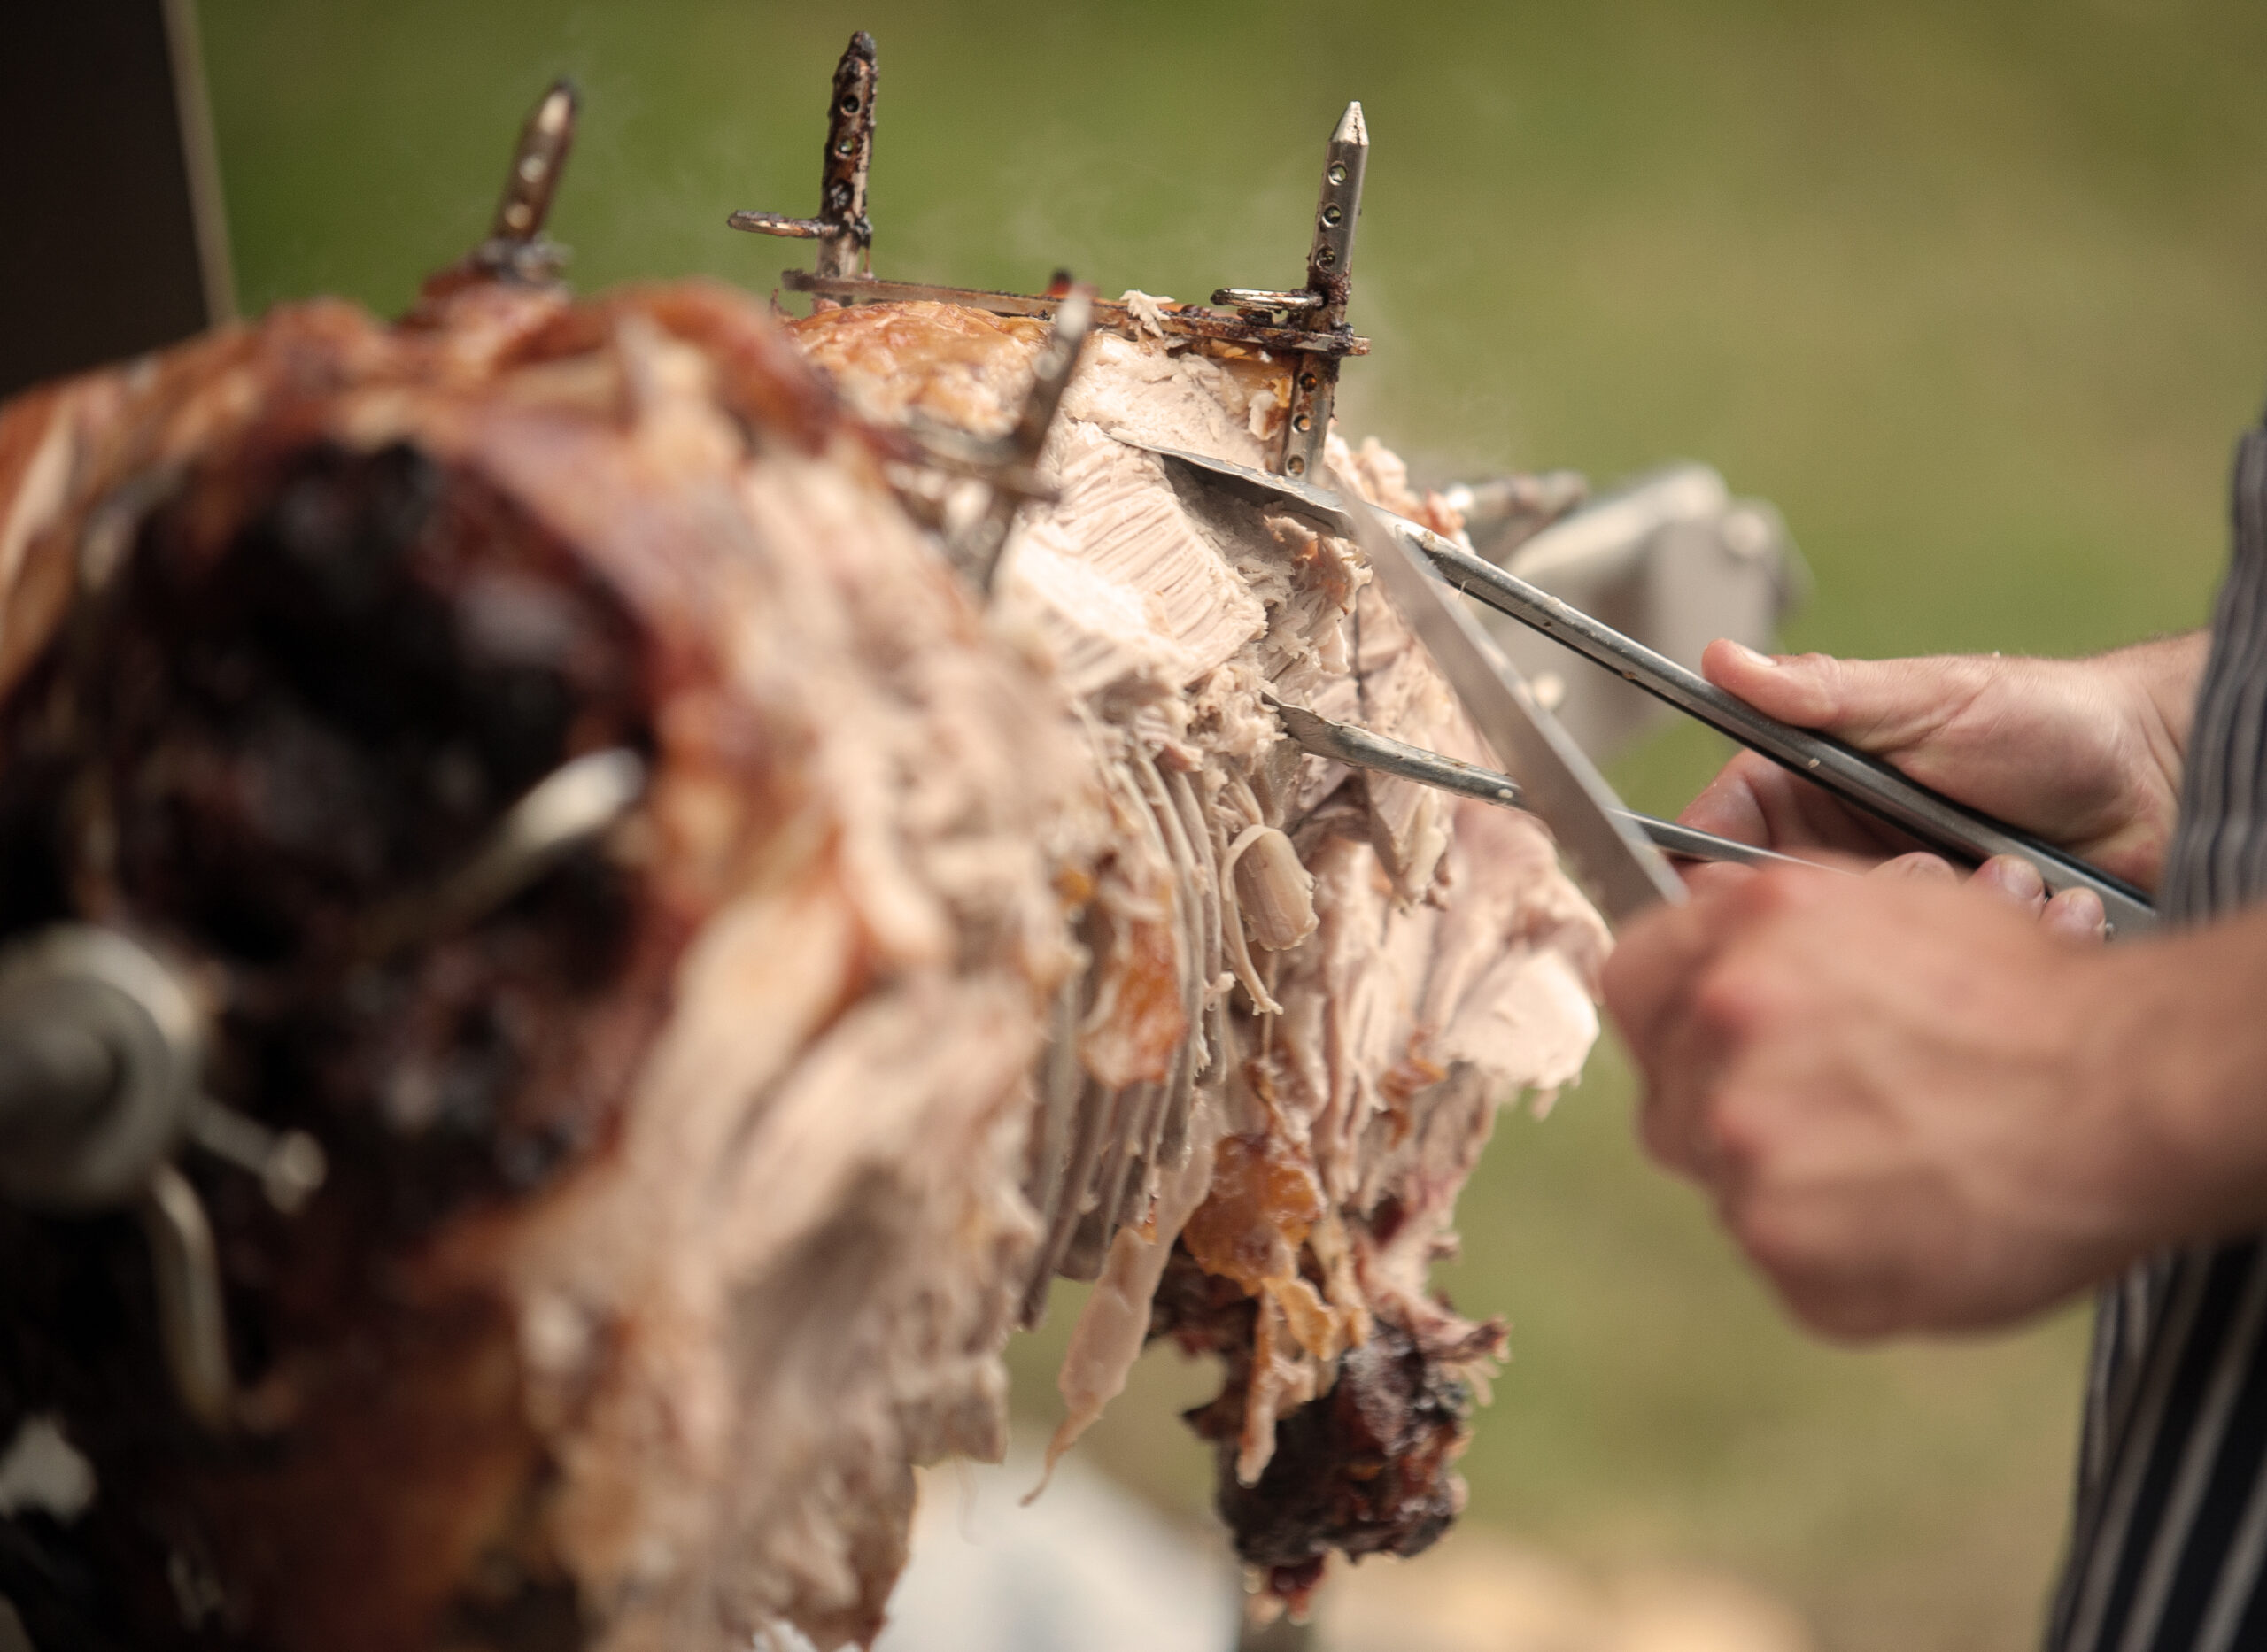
(1920, 864)
(2014, 877)
(2077, 914)
(1763, 663)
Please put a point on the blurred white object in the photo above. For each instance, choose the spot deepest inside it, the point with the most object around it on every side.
(42, 1471)
(1669, 557)
(1480, 1592)
(1085, 1567)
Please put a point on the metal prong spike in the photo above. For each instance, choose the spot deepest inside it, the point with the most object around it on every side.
(1058, 359)
(845, 234)
(1330, 267)
(535, 163)
(1051, 376)
(1330, 263)
(849, 157)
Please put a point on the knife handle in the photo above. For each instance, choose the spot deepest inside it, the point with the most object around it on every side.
(1848, 773)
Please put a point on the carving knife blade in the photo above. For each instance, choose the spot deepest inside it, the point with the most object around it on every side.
(1558, 783)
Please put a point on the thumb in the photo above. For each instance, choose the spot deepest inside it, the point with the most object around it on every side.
(1878, 704)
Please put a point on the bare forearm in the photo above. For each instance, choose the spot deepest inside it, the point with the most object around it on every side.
(2182, 1054)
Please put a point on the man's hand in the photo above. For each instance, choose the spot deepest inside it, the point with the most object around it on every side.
(1917, 1111)
(2085, 753)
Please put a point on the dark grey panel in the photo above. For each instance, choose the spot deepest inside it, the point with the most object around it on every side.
(103, 169)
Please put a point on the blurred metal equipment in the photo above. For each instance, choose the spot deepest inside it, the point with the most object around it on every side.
(1669, 558)
(100, 1052)
(108, 186)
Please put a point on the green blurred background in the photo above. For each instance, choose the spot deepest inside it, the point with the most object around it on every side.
(1976, 292)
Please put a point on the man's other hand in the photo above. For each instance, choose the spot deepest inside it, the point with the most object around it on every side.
(2085, 753)
(1915, 1109)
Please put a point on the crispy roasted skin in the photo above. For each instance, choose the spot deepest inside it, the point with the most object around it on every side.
(674, 1208)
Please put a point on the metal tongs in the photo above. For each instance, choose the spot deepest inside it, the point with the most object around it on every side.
(1577, 806)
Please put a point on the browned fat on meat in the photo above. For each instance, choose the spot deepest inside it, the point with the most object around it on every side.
(674, 1208)
(1368, 968)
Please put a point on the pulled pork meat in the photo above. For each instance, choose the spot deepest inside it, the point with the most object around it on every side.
(681, 1204)
(675, 1206)
(1311, 987)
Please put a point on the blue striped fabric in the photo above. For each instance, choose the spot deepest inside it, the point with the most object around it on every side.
(2171, 1527)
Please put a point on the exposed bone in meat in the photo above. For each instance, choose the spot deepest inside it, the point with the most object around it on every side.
(1375, 967)
(674, 1208)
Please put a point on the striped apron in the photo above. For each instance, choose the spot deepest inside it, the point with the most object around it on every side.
(2171, 1527)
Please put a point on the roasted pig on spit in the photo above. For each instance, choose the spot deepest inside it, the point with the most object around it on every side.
(685, 1183)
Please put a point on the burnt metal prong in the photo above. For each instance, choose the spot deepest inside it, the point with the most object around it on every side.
(1330, 263)
(845, 234)
(535, 163)
(1019, 450)
(517, 245)
(568, 807)
(290, 1164)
